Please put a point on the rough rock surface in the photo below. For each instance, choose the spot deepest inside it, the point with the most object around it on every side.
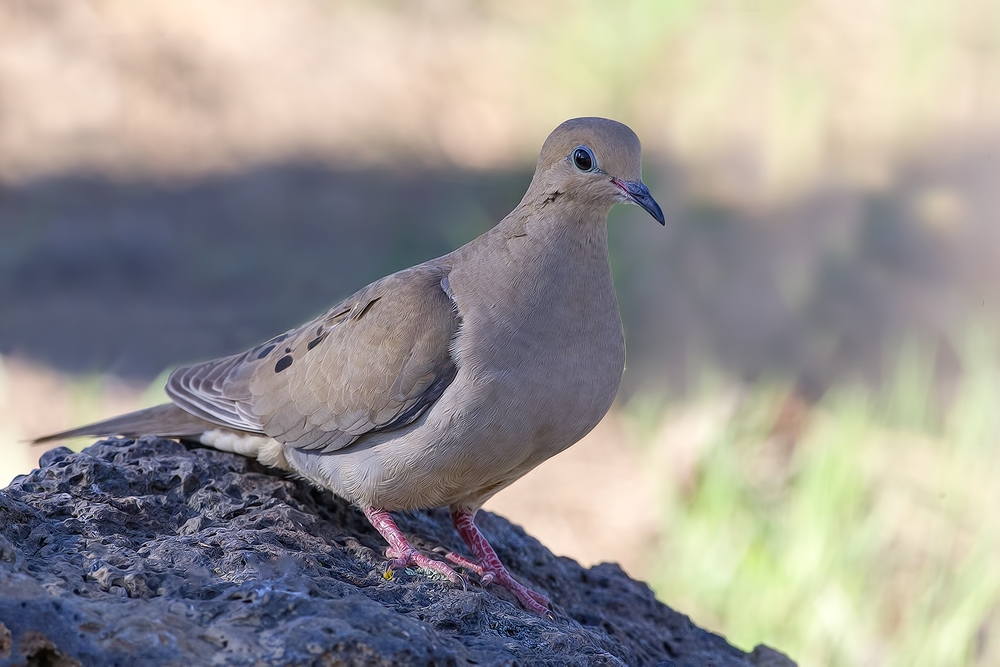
(149, 553)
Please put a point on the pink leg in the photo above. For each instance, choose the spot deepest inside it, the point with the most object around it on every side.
(401, 551)
(490, 568)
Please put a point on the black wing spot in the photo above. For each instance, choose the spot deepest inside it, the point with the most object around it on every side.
(314, 342)
(368, 306)
(283, 363)
(266, 351)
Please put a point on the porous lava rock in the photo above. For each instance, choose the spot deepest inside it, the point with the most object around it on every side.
(148, 552)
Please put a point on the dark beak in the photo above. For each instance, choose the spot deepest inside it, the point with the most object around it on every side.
(638, 194)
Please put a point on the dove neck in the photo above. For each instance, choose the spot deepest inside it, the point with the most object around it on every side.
(566, 247)
(551, 217)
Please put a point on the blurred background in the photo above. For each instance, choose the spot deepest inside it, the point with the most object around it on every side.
(805, 449)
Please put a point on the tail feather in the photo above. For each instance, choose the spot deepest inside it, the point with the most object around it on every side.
(167, 420)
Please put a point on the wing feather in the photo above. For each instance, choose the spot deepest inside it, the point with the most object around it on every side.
(374, 362)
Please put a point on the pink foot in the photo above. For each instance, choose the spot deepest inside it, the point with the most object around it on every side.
(401, 552)
(485, 578)
(489, 568)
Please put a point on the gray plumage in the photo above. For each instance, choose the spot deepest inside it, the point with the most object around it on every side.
(443, 383)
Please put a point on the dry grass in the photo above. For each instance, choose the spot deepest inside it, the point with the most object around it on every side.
(860, 531)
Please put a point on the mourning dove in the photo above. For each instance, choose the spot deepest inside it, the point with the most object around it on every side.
(443, 383)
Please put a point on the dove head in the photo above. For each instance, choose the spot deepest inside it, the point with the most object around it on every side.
(595, 162)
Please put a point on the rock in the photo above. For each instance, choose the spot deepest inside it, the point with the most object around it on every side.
(147, 552)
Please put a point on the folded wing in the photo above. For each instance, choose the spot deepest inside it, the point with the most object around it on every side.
(374, 362)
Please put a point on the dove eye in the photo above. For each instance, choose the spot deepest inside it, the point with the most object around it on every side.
(583, 159)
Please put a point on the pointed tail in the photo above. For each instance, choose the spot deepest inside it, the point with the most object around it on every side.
(166, 420)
